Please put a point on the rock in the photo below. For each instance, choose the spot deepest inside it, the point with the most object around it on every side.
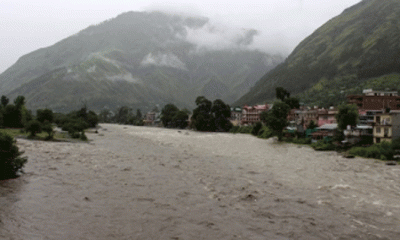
(391, 163)
(347, 155)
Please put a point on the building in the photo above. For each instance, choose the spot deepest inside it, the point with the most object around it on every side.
(386, 126)
(366, 117)
(324, 131)
(251, 114)
(236, 115)
(151, 118)
(301, 118)
(376, 100)
(359, 134)
(327, 116)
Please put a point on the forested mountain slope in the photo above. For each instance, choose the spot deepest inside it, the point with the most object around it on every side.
(358, 49)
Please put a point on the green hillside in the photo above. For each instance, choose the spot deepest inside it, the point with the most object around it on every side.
(137, 59)
(357, 49)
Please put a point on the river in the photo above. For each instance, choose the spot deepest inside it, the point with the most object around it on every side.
(152, 183)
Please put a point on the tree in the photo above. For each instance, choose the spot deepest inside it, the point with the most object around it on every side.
(19, 101)
(202, 119)
(312, 125)
(124, 114)
(33, 127)
(105, 116)
(92, 119)
(167, 114)
(210, 116)
(138, 114)
(281, 93)
(16, 115)
(10, 161)
(82, 113)
(12, 116)
(43, 115)
(180, 119)
(221, 113)
(1, 119)
(347, 115)
(48, 128)
(276, 118)
(292, 102)
(4, 101)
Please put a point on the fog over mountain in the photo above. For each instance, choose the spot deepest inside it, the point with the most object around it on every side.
(140, 59)
(281, 24)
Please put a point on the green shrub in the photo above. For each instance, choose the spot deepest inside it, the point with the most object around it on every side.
(265, 133)
(83, 136)
(256, 128)
(383, 151)
(10, 161)
(234, 129)
(322, 146)
(301, 140)
(246, 129)
(74, 126)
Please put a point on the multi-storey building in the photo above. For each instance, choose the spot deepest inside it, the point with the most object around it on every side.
(251, 114)
(305, 116)
(151, 118)
(376, 100)
(386, 126)
(327, 116)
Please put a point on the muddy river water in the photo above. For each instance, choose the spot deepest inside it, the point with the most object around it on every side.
(150, 183)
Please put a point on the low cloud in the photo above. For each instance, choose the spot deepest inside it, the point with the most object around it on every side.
(216, 36)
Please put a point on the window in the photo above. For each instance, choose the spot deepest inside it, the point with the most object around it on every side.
(386, 130)
(378, 130)
(378, 120)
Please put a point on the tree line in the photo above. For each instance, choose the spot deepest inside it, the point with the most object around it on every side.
(16, 116)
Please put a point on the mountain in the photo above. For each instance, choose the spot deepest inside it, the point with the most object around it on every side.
(358, 49)
(138, 59)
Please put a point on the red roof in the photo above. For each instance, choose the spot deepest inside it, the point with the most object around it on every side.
(258, 107)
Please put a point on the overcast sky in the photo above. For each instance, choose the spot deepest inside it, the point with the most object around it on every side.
(27, 25)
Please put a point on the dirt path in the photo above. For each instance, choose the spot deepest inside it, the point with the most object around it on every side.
(149, 183)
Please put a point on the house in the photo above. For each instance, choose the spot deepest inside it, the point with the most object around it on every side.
(366, 117)
(386, 126)
(327, 116)
(324, 131)
(376, 100)
(359, 133)
(236, 115)
(151, 118)
(251, 114)
(301, 118)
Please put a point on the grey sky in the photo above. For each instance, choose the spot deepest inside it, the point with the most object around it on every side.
(27, 25)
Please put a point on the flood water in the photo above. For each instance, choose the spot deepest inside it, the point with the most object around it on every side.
(150, 183)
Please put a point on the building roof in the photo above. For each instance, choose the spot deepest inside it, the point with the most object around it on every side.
(258, 107)
(331, 126)
(361, 127)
